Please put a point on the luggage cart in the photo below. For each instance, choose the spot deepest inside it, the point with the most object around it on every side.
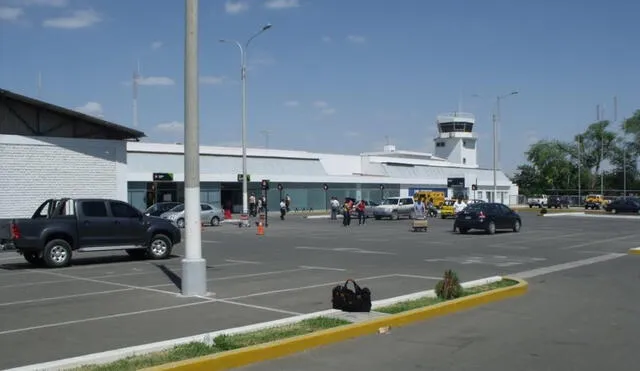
(419, 223)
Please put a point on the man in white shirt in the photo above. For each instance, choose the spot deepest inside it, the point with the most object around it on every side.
(459, 206)
(335, 205)
(283, 209)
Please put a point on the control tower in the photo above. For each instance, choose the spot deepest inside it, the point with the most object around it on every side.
(456, 140)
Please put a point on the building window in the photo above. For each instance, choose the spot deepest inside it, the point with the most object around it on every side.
(464, 160)
(480, 194)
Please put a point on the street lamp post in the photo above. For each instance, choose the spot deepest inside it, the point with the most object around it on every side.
(243, 77)
(496, 117)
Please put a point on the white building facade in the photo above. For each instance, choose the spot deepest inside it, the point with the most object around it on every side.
(303, 175)
(47, 152)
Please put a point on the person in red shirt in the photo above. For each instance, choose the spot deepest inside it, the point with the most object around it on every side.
(360, 209)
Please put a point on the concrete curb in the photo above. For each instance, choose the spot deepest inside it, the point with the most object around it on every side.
(207, 338)
(281, 348)
(599, 215)
(634, 251)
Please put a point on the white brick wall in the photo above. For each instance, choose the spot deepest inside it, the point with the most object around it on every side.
(33, 169)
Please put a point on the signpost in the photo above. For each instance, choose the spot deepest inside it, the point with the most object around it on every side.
(264, 184)
(163, 177)
(280, 188)
(240, 177)
(325, 187)
(381, 192)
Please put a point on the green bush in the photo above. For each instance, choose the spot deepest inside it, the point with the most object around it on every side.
(449, 287)
(543, 211)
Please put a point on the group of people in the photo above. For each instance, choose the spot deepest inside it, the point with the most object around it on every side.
(259, 205)
(347, 206)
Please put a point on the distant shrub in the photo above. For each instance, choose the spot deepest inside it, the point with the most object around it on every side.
(543, 211)
(449, 287)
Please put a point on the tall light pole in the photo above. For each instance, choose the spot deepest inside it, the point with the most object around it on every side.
(194, 267)
(243, 77)
(496, 117)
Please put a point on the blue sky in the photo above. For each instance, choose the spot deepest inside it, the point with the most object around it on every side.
(334, 75)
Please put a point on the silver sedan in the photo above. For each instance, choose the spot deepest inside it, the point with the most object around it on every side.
(209, 214)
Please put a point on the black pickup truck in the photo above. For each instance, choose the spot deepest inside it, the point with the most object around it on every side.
(60, 227)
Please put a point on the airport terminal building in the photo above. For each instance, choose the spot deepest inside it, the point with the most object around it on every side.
(48, 151)
(452, 169)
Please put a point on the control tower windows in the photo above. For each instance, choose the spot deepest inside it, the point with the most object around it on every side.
(456, 127)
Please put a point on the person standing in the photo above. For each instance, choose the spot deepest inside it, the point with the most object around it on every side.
(335, 206)
(252, 205)
(346, 213)
(287, 201)
(283, 209)
(360, 209)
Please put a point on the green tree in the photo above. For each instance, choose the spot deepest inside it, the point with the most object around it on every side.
(553, 164)
(596, 145)
(528, 180)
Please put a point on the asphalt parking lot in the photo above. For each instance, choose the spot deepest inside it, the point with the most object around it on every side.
(107, 301)
(578, 319)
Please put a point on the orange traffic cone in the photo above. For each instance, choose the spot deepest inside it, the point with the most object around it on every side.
(260, 229)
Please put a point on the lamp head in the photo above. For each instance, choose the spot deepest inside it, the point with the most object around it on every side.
(267, 26)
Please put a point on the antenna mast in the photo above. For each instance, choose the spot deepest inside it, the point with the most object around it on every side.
(136, 78)
(39, 84)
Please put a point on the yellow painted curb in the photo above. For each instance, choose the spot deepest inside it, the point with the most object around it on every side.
(277, 349)
(635, 251)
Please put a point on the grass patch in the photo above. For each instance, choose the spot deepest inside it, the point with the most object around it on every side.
(428, 301)
(222, 343)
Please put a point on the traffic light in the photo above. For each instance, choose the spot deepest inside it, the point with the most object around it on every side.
(474, 187)
(264, 184)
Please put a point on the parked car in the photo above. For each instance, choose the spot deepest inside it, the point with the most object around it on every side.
(538, 201)
(394, 208)
(487, 216)
(61, 227)
(209, 214)
(623, 205)
(558, 202)
(594, 202)
(447, 210)
(160, 208)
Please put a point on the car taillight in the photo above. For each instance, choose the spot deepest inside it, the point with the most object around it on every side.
(15, 231)
(481, 215)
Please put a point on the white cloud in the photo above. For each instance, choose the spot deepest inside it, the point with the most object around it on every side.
(155, 81)
(212, 80)
(282, 4)
(77, 19)
(320, 104)
(170, 127)
(291, 103)
(91, 108)
(156, 45)
(51, 3)
(326, 39)
(357, 39)
(328, 111)
(236, 7)
(10, 14)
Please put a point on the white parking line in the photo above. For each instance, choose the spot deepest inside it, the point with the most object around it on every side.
(417, 276)
(595, 242)
(240, 276)
(304, 287)
(73, 296)
(110, 316)
(4, 258)
(242, 261)
(323, 268)
(259, 307)
(564, 266)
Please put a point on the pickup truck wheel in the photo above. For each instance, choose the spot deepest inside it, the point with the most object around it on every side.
(57, 253)
(33, 258)
(215, 221)
(160, 247)
(180, 223)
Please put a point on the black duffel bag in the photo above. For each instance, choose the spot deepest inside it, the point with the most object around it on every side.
(345, 299)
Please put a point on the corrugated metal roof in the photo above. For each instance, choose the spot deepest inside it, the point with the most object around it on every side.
(123, 131)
